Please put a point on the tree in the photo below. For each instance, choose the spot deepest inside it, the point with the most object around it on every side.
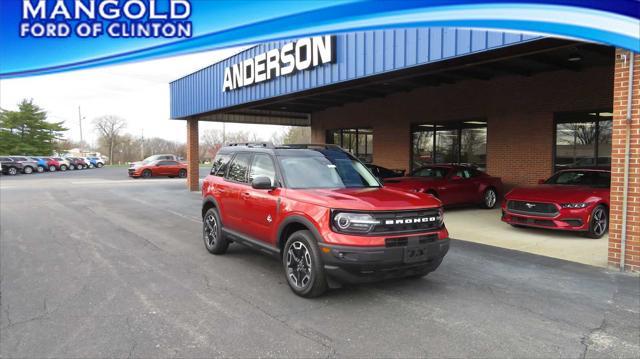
(27, 130)
(297, 134)
(109, 128)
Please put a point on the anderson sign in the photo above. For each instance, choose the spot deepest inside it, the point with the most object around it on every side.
(295, 56)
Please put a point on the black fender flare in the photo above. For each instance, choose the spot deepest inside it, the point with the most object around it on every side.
(300, 220)
(210, 200)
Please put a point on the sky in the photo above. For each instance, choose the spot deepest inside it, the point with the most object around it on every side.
(137, 92)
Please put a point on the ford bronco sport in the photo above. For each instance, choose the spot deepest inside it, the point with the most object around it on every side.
(320, 210)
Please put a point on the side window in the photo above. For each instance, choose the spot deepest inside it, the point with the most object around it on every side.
(161, 163)
(169, 163)
(263, 166)
(239, 167)
(220, 165)
(6, 159)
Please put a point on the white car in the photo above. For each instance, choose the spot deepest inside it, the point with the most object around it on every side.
(64, 164)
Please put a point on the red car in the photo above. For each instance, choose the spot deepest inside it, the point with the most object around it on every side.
(159, 168)
(572, 200)
(53, 164)
(322, 213)
(452, 184)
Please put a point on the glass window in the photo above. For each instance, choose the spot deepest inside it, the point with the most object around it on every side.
(435, 172)
(262, 165)
(220, 164)
(583, 139)
(239, 167)
(332, 169)
(600, 179)
(459, 142)
(358, 141)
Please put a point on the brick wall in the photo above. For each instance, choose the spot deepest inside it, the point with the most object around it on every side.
(519, 111)
(193, 174)
(620, 128)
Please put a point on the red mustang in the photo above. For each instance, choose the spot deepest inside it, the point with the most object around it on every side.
(452, 184)
(573, 200)
(159, 168)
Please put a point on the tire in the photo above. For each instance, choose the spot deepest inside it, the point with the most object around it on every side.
(489, 198)
(72, 167)
(303, 266)
(40, 169)
(598, 222)
(214, 240)
(99, 165)
(146, 174)
(182, 173)
(52, 168)
(12, 171)
(63, 168)
(27, 170)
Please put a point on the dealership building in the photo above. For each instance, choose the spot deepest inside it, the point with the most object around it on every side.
(518, 106)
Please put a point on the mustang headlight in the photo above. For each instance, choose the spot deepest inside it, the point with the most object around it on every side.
(574, 205)
(354, 222)
(440, 217)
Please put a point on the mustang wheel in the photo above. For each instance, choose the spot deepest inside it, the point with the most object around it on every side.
(303, 265)
(146, 174)
(599, 222)
(490, 198)
(27, 170)
(214, 240)
(182, 173)
(52, 168)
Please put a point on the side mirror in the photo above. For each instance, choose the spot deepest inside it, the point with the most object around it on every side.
(542, 181)
(261, 182)
(456, 178)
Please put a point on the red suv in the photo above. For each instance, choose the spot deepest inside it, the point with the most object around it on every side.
(322, 212)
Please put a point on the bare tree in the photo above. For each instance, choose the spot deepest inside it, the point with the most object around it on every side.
(109, 128)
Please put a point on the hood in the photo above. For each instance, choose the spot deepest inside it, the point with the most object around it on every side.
(369, 199)
(554, 193)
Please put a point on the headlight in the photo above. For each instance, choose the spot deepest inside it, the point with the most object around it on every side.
(354, 222)
(440, 217)
(574, 205)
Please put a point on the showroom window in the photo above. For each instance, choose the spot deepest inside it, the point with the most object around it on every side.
(583, 139)
(358, 141)
(459, 142)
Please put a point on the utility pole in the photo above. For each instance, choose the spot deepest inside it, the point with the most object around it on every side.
(80, 122)
(142, 143)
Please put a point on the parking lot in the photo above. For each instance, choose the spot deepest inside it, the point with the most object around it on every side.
(94, 264)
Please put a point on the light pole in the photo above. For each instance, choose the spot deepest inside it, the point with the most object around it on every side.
(80, 123)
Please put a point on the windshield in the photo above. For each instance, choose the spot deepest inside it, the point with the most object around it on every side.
(435, 172)
(601, 179)
(335, 169)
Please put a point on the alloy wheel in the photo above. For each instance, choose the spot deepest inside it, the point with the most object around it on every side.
(299, 264)
(40, 169)
(13, 171)
(211, 229)
(599, 221)
(52, 168)
(28, 170)
(490, 198)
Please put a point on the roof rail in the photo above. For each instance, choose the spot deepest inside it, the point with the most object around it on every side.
(252, 144)
(310, 145)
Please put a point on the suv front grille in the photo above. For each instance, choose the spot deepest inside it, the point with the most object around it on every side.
(533, 208)
(406, 222)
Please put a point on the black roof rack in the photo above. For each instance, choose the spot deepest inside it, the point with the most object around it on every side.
(309, 145)
(252, 145)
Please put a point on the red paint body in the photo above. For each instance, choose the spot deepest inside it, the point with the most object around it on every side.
(54, 163)
(555, 195)
(160, 168)
(244, 209)
(453, 188)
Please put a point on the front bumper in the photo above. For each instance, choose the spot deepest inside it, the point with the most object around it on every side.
(565, 220)
(133, 173)
(350, 264)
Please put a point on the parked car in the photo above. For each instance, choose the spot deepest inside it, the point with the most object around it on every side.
(10, 167)
(90, 163)
(166, 168)
(63, 164)
(322, 213)
(383, 173)
(452, 184)
(28, 165)
(52, 164)
(75, 163)
(572, 200)
(41, 163)
(97, 162)
(164, 157)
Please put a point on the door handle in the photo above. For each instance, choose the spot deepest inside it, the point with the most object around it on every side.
(246, 194)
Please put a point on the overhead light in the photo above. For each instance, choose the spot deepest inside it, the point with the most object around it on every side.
(425, 125)
(283, 107)
(476, 122)
(574, 57)
(606, 114)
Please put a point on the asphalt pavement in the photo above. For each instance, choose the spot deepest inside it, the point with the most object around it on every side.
(94, 264)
